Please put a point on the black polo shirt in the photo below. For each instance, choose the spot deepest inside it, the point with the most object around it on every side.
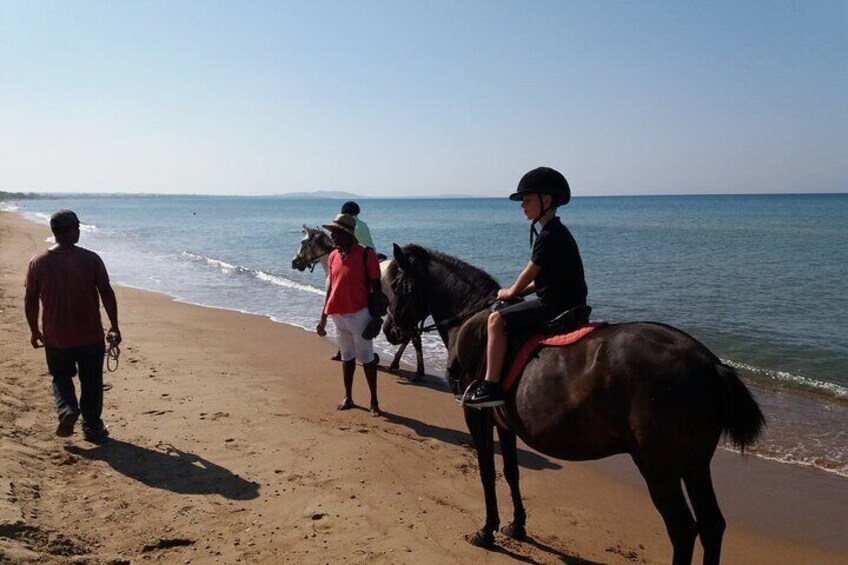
(560, 283)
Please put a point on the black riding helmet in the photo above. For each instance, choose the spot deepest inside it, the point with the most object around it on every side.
(350, 207)
(543, 180)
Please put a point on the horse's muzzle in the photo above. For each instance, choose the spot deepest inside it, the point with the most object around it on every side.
(298, 264)
(394, 334)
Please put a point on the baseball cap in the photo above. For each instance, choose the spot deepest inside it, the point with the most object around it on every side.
(63, 219)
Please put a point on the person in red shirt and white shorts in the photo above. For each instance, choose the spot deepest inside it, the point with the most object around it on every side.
(353, 273)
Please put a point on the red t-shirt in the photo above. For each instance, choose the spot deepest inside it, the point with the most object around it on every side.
(67, 280)
(348, 293)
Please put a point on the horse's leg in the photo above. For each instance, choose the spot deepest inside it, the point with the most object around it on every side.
(711, 524)
(396, 361)
(419, 355)
(667, 495)
(509, 452)
(479, 423)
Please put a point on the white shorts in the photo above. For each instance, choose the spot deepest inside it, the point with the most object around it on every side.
(349, 329)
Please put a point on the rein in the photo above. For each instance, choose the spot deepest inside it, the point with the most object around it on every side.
(112, 354)
(453, 321)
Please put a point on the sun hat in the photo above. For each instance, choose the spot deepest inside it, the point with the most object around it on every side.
(544, 180)
(343, 222)
(63, 219)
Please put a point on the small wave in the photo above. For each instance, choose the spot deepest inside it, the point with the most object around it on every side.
(223, 265)
(789, 458)
(43, 218)
(785, 378)
(8, 207)
(229, 268)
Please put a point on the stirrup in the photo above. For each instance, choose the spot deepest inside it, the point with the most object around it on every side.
(461, 398)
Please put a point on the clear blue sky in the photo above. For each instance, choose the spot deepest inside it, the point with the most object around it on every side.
(423, 98)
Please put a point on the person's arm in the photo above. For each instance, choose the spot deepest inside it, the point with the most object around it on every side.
(321, 328)
(373, 268)
(107, 296)
(522, 283)
(110, 304)
(31, 307)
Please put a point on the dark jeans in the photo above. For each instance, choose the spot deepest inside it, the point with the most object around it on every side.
(64, 364)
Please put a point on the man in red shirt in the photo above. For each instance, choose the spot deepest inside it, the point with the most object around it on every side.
(353, 274)
(67, 280)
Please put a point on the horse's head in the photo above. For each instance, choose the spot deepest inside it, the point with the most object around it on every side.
(409, 304)
(314, 245)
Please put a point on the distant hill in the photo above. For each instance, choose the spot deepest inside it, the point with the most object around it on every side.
(21, 196)
(322, 194)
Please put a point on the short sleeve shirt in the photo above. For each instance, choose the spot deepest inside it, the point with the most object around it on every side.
(67, 282)
(348, 292)
(363, 234)
(561, 282)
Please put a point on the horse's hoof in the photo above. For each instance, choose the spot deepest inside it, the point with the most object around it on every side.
(481, 538)
(514, 531)
(394, 367)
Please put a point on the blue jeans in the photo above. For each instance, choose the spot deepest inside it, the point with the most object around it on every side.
(87, 361)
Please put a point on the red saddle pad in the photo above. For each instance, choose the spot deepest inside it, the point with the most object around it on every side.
(531, 345)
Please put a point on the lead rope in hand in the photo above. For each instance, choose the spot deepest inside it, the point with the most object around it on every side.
(112, 354)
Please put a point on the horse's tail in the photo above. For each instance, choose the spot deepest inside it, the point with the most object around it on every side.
(743, 421)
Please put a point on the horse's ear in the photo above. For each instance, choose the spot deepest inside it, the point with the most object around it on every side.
(400, 257)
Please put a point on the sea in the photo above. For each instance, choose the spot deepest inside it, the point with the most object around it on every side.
(759, 279)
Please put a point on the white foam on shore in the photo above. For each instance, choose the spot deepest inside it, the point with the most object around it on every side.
(42, 218)
(229, 268)
(790, 458)
(786, 378)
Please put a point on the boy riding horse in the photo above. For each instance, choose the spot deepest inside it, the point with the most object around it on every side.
(555, 273)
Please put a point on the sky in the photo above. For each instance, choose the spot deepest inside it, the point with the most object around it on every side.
(415, 98)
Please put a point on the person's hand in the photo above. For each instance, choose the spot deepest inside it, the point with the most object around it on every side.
(36, 339)
(321, 328)
(116, 340)
(506, 294)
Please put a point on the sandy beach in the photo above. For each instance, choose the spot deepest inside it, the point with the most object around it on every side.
(226, 447)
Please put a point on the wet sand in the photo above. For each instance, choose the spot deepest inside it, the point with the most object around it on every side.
(227, 448)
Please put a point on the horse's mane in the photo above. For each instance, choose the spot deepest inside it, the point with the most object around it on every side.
(458, 277)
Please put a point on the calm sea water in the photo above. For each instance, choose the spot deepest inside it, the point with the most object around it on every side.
(759, 279)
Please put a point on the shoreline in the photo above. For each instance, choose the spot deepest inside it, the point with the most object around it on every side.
(226, 436)
(804, 416)
(771, 380)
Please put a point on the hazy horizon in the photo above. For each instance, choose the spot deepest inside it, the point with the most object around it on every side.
(385, 99)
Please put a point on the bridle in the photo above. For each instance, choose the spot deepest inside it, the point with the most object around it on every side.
(451, 322)
(309, 244)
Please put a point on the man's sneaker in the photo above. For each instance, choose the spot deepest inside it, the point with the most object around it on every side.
(484, 395)
(66, 424)
(98, 436)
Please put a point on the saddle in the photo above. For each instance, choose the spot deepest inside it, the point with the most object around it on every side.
(567, 328)
(469, 350)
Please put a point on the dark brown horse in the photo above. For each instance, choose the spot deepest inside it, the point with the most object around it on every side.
(645, 389)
